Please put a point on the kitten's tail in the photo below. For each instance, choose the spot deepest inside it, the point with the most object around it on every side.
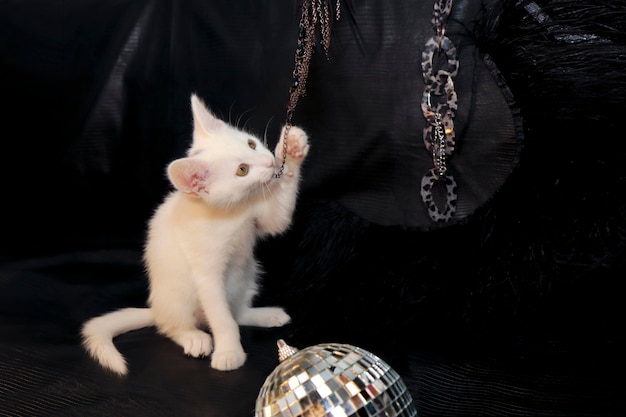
(98, 334)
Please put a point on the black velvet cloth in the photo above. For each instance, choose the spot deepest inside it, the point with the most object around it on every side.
(513, 308)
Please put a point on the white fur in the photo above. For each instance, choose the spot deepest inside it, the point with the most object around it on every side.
(199, 250)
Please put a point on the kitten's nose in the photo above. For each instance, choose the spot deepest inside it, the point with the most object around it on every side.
(270, 163)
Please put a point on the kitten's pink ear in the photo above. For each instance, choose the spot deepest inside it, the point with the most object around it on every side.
(189, 175)
(203, 119)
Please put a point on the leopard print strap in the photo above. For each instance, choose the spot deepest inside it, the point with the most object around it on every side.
(439, 105)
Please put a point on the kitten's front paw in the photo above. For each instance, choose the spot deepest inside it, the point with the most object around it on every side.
(196, 343)
(228, 360)
(297, 144)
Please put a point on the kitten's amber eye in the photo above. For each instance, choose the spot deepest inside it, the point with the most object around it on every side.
(242, 171)
(251, 144)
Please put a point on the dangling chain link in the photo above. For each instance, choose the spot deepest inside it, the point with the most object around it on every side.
(313, 13)
(439, 105)
(439, 148)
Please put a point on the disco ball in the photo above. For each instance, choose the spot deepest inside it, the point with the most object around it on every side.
(332, 380)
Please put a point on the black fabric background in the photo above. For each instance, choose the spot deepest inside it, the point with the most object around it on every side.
(514, 309)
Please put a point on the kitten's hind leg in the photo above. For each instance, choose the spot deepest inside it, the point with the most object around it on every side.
(263, 317)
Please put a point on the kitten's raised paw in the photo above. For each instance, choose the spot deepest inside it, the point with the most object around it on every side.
(297, 144)
(195, 343)
(228, 360)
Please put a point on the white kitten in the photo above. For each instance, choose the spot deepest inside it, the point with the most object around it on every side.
(199, 251)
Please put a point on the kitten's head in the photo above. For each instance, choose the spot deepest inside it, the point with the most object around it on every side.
(224, 166)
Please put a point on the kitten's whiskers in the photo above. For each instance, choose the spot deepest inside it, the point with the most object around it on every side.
(267, 126)
(243, 127)
(266, 186)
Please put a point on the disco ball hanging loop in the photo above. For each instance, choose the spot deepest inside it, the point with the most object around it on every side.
(332, 380)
